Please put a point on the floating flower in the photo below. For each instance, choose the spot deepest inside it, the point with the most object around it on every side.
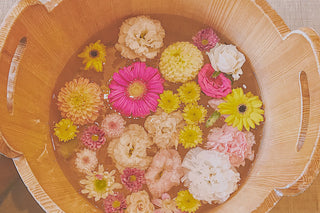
(80, 101)
(99, 184)
(115, 203)
(214, 103)
(194, 113)
(186, 202)
(180, 62)
(189, 92)
(205, 39)
(133, 179)
(135, 90)
(93, 137)
(140, 37)
(209, 175)
(94, 56)
(244, 110)
(190, 136)
(216, 87)
(227, 59)
(139, 202)
(65, 130)
(164, 128)
(232, 142)
(168, 101)
(166, 204)
(164, 172)
(86, 160)
(130, 150)
(113, 125)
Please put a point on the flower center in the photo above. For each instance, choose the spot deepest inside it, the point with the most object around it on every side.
(94, 53)
(132, 178)
(95, 137)
(100, 185)
(112, 125)
(143, 34)
(85, 159)
(78, 100)
(116, 204)
(242, 108)
(137, 89)
(205, 42)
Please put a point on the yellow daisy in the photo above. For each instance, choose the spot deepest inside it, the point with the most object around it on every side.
(189, 92)
(94, 56)
(168, 101)
(186, 202)
(65, 130)
(190, 136)
(194, 114)
(244, 110)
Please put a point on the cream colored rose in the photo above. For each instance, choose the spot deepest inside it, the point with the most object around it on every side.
(227, 59)
(139, 202)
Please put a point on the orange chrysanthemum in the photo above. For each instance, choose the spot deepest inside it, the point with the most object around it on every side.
(80, 101)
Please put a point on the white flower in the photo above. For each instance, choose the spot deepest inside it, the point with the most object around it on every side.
(86, 160)
(210, 176)
(227, 59)
(139, 202)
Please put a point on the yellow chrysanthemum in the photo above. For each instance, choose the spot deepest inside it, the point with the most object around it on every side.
(186, 202)
(190, 136)
(94, 56)
(194, 114)
(189, 92)
(65, 130)
(80, 101)
(244, 110)
(180, 62)
(168, 101)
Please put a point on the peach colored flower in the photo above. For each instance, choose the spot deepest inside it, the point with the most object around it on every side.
(139, 202)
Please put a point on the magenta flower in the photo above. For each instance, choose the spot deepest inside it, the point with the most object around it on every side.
(166, 204)
(133, 179)
(115, 203)
(205, 39)
(113, 125)
(236, 144)
(216, 87)
(93, 138)
(134, 91)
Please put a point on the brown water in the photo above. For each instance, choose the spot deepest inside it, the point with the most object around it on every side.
(177, 29)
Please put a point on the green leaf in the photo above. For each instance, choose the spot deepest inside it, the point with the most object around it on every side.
(213, 118)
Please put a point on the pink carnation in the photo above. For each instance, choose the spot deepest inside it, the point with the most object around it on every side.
(133, 179)
(113, 125)
(93, 138)
(166, 204)
(236, 144)
(216, 87)
(115, 203)
(205, 39)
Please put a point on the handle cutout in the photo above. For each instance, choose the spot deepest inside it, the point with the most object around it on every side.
(12, 77)
(305, 110)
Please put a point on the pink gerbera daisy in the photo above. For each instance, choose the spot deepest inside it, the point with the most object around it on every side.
(133, 179)
(113, 125)
(93, 137)
(135, 90)
(115, 203)
(205, 39)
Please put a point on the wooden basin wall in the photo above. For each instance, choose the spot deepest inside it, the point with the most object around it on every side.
(47, 33)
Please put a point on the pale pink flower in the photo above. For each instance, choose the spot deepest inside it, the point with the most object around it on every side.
(93, 137)
(86, 160)
(166, 204)
(205, 39)
(113, 125)
(236, 144)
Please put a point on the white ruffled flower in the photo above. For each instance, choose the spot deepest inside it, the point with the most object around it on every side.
(210, 176)
(227, 59)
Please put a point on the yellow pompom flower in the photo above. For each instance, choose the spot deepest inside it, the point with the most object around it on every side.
(186, 202)
(168, 101)
(244, 110)
(190, 136)
(94, 56)
(189, 92)
(65, 130)
(194, 114)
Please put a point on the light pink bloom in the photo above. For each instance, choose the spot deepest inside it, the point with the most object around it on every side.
(133, 179)
(93, 138)
(236, 144)
(164, 172)
(214, 103)
(134, 90)
(166, 204)
(205, 39)
(113, 125)
(216, 87)
(115, 203)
